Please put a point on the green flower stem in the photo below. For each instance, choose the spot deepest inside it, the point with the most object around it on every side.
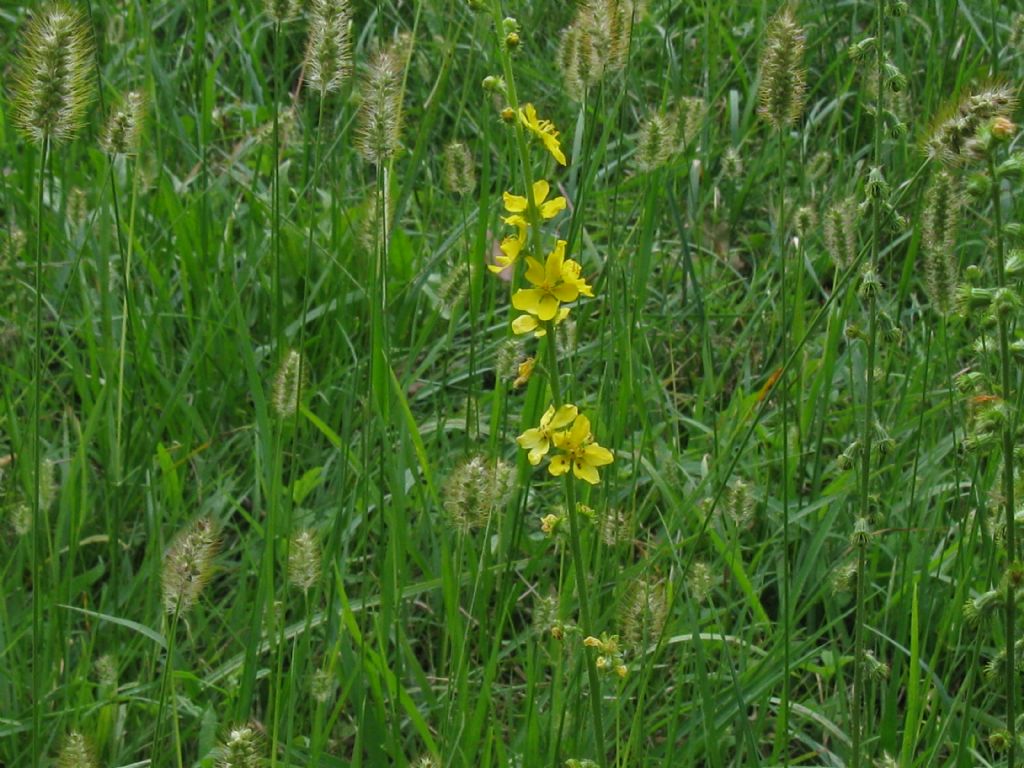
(1009, 427)
(867, 427)
(533, 215)
(587, 623)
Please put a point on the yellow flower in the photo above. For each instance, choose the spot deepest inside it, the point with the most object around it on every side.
(556, 281)
(580, 453)
(511, 246)
(538, 441)
(548, 209)
(525, 372)
(549, 523)
(527, 323)
(543, 130)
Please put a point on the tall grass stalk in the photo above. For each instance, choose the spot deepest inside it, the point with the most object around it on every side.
(868, 410)
(1006, 368)
(38, 526)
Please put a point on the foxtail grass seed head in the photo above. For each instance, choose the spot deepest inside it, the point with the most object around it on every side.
(655, 141)
(289, 384)
(453, 288)
(781, 91)
(323, 685)
(475, 490)
(281, 11)
(123, 131)
(688, 117)
(840, 228)
(459, 170)
(329, 47)
(379, 122)
(740, 503)
(188, 565)
(941, 216)
(732, 163)
(53, 80)
(304, 561)
(48, 486)
(105, 669)
(644, 609)
(579, 60)
(700, 581)
(20, 518)
(242, 747)
(805, 219)
(76, 752)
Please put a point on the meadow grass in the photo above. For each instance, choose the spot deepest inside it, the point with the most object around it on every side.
(287, 478)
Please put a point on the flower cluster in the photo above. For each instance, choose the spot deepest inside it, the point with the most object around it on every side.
(551, 284)
(609, 654)
(568, 432)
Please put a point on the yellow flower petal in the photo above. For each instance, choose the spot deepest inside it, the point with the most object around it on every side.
(558, 466)
(563, 416)
(514, 203)
(580, 431)
(583, 471)
(597, 455)
(531, 300)
(534, 271)
(525, 324)
(531, 438)
(540, 191)
(551, 208)
(547, 307)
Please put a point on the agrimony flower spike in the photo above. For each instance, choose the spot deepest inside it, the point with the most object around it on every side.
(53, 80)
(781, 92)
(329, 48)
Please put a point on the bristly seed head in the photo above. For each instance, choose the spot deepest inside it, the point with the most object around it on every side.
(124, 127)
(242, 747)
(76, 752)
(329, 48)
(281, 11)
(943, 203)
(53, 81)
(459, 171)
(655, 141)
(781, 92)
(475, 490)
(188, 565)
(840, 228)
(961, 122)
(289, 383)
(304, 561)
(379, 123)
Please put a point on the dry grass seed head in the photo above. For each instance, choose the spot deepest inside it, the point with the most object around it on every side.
(53, 80)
